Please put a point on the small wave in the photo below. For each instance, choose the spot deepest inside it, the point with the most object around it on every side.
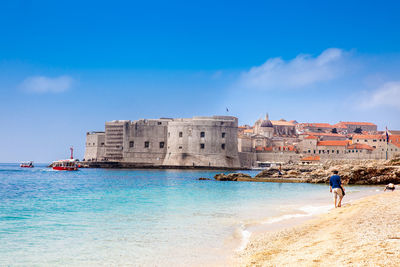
(284, 217)
(314, 210)
(307, 210)
(244, 237)
(244, 234)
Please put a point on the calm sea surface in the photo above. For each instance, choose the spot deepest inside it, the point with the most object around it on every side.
(139, 217)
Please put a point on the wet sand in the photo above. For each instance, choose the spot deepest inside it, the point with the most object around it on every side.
(363, 233)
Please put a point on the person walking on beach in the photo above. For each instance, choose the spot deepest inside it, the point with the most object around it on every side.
(336, 188)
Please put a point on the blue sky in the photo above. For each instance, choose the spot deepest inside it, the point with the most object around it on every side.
(66, 67)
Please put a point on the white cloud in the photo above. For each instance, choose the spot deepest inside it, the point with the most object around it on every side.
(388, 95)
(42, 84)
(302, 71)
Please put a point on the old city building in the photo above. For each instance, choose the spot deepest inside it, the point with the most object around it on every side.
(218, 142)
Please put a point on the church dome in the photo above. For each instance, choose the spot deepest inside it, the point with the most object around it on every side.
(266, 123)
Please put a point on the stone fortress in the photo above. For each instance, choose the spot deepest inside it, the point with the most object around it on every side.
(218, 142)
(209, 142)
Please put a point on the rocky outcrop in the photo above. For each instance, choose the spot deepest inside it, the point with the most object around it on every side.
(364, 172)
(395, 161)
(232, 177)
(358, 174)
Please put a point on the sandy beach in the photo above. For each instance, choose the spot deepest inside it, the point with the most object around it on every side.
(363, 233)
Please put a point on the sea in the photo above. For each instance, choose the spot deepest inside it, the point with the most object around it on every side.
(138, 217)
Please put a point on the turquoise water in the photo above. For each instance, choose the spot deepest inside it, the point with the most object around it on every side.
(137, 217)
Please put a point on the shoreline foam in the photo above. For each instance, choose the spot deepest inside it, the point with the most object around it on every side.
(333, 238)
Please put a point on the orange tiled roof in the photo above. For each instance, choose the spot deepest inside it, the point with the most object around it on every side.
(396, 144)
(360, 146)
(311, 158)
(282, 123)
(291, 148)
(248, 131)
(338, 125)
(395, 138)
(259, 148)
(333, 143)
(356, 123)
(369, 136)
(324, 134)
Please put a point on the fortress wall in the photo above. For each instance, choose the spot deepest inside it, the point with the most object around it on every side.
(145, 141)
(278, 157)
(217, 148)
(95, 146)
(115, 131)
(247, 159)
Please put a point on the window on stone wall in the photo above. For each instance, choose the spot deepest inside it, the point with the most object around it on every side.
(202, 134)
(337, 151)
(161, 144)
(333, 151)
(159, 123)
(309, 151)
(131, 144)
(223, 146)
(374, 140)
(102, 144)
(146, 144)
(374, 146)
(202, 146)
(223, 135)
(180, 134)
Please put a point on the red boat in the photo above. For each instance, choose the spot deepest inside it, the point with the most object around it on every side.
(28, 164)
(66, 164)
